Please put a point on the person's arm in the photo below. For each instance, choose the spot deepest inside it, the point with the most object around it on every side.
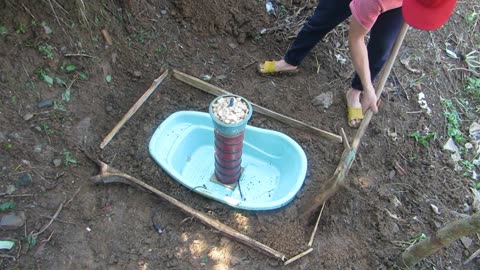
(358, 51)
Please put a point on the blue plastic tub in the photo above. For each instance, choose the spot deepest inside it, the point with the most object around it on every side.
(274, 165)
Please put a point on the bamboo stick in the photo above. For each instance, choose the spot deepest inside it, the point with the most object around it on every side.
(111, 175)
(296, 257)
(133, 109)
(310, 243)
(217, 91)
(442, 238)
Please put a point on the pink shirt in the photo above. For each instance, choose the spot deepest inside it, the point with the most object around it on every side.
(367, 11)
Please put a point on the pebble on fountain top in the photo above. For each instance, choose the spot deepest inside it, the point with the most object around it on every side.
(230, 110)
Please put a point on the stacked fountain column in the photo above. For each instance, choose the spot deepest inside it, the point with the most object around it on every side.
(230, 114)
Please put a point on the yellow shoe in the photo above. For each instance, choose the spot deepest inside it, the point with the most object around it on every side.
(354, 114)
(268, 68)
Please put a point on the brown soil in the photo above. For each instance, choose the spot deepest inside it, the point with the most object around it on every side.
(362, 226)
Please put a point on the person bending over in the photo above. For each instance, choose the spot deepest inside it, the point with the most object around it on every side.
(382, 20)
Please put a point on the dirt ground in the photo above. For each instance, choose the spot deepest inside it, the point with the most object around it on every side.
(48, 127)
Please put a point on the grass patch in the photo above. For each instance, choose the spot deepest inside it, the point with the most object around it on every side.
(46, 51)
(425, 138)
(453, 121)
(472, 86)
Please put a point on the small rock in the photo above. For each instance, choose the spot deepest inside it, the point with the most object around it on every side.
(57, 162)
(235, 261)
(163, 11)
(24, 180)
(12, 221)
(47, 29)
(241, 38)
(28, 116)
(394, 227)
(324, 99)
(137, 74)
(38, 148)
(466, 241)
(113, 259)
(27, 163)
(45, 103)
(221, 77)
(468, 145)
(450, 146)
(206, 77)
(435, 209)
(11, 189)
(232, 45)
(391, 174)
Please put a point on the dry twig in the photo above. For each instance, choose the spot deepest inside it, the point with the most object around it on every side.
(60, 207)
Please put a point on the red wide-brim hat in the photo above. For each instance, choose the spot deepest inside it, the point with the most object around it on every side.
(427, 14)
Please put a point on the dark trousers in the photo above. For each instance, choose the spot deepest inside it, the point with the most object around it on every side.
(330, 13)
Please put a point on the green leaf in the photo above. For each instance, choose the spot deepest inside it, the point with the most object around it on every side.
(47, 79)
(66, 95)
(61, 82)
(59, 107)
(6, 206)
(108, 78)
(69, 159)
(477, 185)
(3, 30)
(70, 68)
(30, 241)
(83, 75)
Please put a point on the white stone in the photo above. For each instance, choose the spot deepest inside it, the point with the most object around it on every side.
(450, 146)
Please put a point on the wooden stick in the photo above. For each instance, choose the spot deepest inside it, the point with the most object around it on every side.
(107, 37)
(316, 226)
(440, 239)
(296, 257)
(348, 155)
(60, 207)
(346, 144)
(217, 91)
(381, 83)
(473, 256)
(111, 175)
(133, 109)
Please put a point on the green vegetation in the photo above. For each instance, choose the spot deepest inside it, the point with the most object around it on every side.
(140, 36)
(42, 75)
(21, 29)
(473, 86)
(6, 206)
(46, 50)
(69, 159)
(47, 129)
(30, 241)
(453, 121)
(424, 139)
(3, 30)
(411, 242)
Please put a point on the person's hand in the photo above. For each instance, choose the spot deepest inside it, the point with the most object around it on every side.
(369, 100)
